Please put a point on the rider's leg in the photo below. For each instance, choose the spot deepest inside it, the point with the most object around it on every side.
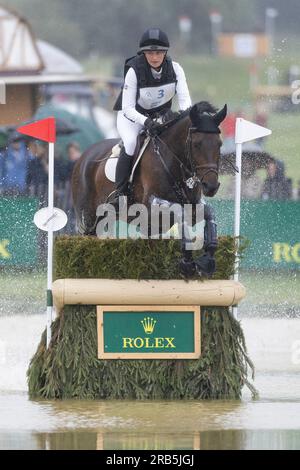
(128, 131)
(123, 171)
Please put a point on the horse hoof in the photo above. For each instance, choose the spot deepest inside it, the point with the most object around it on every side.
(187, 268)
(205, 265)
(203, 274)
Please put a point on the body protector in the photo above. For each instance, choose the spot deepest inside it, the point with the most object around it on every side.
(154, 95)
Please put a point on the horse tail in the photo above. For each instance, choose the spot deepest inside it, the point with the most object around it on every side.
(84, 186)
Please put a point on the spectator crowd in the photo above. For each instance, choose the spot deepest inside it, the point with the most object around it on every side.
(24, 171)
(276, 185)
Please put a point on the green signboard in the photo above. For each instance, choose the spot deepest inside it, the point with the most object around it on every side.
(148, 332)
(18, 234)
(272, 227)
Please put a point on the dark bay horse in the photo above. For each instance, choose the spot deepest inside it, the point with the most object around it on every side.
(179, 165)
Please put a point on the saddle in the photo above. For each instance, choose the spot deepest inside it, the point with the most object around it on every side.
(112, 160)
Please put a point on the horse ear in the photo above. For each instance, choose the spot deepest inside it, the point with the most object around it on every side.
(220, 116)
(194, 114)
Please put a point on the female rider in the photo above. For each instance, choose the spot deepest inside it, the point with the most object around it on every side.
(151, 81)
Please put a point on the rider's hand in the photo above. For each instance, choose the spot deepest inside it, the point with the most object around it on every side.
(152, 127)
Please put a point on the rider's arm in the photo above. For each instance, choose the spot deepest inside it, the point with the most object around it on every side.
(129, 97)
(183, 94)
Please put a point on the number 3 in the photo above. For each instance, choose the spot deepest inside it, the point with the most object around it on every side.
(161, 93)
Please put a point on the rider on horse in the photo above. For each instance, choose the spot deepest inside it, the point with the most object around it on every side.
(151, 81)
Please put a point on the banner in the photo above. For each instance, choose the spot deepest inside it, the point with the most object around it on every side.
(272, 227)
(18, 234)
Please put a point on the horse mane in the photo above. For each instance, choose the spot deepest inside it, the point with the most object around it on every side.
(204, 107)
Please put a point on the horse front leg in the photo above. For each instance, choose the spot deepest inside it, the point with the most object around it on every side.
(206, 264)
(186, 264)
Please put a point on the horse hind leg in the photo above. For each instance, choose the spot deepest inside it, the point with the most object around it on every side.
(81, 226)
(84, 225)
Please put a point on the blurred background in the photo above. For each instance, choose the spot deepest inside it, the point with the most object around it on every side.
(66, 59)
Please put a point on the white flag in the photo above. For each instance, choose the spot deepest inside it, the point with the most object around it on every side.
(246, 131)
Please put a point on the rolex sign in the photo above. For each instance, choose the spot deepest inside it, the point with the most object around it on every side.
(148, 332)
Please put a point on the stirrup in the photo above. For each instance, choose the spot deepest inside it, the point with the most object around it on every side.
(118, 199)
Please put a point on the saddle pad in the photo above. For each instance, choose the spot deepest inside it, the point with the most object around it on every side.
(111, 162)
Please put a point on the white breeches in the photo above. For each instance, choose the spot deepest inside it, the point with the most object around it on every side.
(128, 131)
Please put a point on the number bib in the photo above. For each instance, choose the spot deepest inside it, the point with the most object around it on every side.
(154, 97)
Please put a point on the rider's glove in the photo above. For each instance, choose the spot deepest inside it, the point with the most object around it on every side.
(152, 127)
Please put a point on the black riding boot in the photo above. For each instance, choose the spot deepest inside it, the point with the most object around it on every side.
(122, 175)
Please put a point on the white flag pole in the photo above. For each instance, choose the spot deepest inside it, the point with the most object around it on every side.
(50, 240)
(238, 183)
(245, 131)
(237, 212)
(48, 218)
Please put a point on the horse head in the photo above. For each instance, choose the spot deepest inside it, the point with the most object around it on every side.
(204, 145)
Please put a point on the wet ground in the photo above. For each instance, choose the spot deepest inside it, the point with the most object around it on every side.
(270, 422)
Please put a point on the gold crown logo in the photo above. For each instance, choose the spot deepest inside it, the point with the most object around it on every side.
(148, 325)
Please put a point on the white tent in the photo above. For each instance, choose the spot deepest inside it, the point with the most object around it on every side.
(18, 49)
(57, 61)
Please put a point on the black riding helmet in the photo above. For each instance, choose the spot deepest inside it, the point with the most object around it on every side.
(154, 39)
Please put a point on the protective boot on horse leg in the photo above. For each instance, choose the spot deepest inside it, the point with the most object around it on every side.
(206, 263)
(187, 265)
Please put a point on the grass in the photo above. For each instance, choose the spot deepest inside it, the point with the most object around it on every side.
(284, 143)
(218, 80)
(21, 285)
(272, 288)
(208, 79)
(22, 293)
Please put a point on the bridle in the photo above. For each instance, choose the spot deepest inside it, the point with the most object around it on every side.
(189, 175)
(188, 154)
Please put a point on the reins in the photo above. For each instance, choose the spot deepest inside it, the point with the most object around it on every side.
(178, 189)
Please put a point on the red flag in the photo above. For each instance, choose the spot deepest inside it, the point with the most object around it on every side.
(42, 130)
